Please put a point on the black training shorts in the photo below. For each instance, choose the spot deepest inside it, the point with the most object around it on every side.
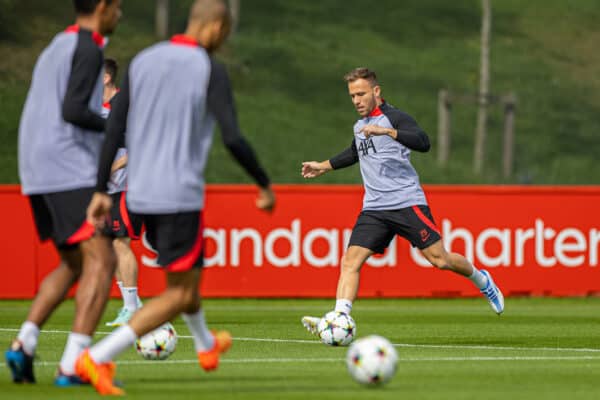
(61, 216)
(122, 223)
(178, 239)
(375, 230)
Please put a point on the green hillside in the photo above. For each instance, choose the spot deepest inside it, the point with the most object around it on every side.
(288, 57)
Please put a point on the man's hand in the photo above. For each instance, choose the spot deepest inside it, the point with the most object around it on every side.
(118, 164)
(266, 199)
(376, 130)
(99, 210)
(312, 169)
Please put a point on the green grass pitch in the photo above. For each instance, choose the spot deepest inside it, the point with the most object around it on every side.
(449, 349)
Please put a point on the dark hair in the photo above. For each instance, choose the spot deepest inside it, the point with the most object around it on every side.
(361, 73)
(111, 68)
(86, 7)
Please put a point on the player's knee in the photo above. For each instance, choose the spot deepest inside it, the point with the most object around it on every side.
(99, 254)
(349, 264)
(73, 266)
(122, 248)
(187, 298)
(101, 264)
(439, 261)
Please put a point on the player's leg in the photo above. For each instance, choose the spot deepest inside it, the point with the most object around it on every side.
(128, 272)
(370, 235)
(348, 282)
(76, 342)
(98, 265)
(123, 231)
(179, 244)
(424, 234)
(178, 239)
(90, 300)
(208, 345)
(127, 275)
(19, 357)
(437, 255)
(180, 295)
(51, 293)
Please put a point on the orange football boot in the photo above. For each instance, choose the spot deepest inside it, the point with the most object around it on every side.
(209, 360)
(99, 375)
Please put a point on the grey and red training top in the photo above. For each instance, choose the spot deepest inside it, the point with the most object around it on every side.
(390, 180)
(60, 133)
(170, 97)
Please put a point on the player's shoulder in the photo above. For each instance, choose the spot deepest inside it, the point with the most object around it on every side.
(89, 43)
(395, 115)
(149, 51)
(388, 109)
(166, 49)
(217, 66)
(147, 56)
(359, 124)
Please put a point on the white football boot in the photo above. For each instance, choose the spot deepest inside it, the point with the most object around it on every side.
(493, 294)
(311, 324)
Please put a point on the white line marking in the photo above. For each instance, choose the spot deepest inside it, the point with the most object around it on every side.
(481, 347)
(333, 360)
(407, 345)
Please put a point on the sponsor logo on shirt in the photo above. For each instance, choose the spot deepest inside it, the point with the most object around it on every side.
(365, 145)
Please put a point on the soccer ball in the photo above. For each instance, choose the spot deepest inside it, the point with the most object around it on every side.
(158, 344)
(336, 329)
(372, 360)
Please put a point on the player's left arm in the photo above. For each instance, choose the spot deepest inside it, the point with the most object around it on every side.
(404, 130)
(120, 162)
(116, 125)
(221, 104)
(85, 66)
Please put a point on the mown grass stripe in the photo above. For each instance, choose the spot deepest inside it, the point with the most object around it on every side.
(407, 345)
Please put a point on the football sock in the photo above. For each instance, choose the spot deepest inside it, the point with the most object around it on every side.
(111, 346)
(76, 343)
(203, 339)
(343, 305)
(130, 297)
(28, 336)
(479, 279)
(120, 285)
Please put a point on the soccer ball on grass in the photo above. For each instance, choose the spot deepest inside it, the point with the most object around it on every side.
(372, 360)
(158, 344)
(336, 329)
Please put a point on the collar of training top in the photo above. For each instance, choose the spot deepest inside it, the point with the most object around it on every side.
(96, 37)
(184, 40)
(376, 111)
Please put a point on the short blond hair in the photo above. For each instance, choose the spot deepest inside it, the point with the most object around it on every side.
(361, 73)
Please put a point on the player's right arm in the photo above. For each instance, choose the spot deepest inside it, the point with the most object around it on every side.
(348, 157)
(116, 126)
(119, 163)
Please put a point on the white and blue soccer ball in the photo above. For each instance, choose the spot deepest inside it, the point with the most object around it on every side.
(158, 344)
(336, 329)
(372, 360)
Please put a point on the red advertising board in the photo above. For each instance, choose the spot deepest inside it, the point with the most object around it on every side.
(535, 241)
